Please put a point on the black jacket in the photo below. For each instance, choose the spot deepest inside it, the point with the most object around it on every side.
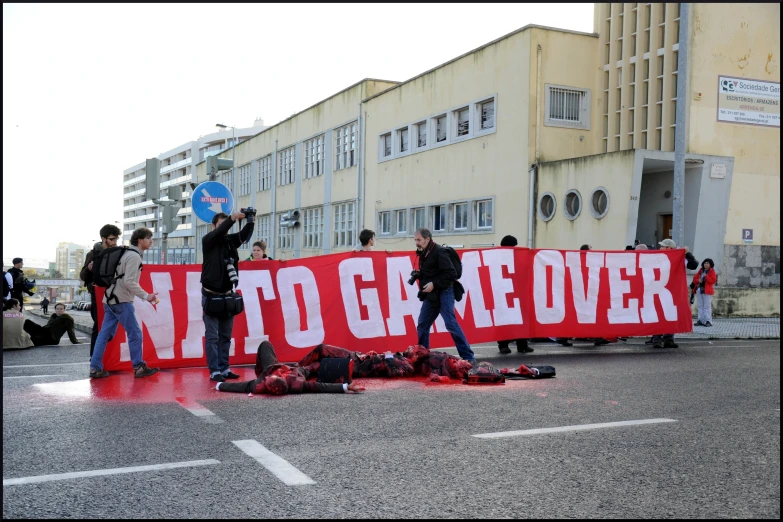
(217, 246)
(18, 278)
(86, 274)
(59, 325)
(435, 266)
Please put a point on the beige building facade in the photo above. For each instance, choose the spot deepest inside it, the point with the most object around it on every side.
(556, 137)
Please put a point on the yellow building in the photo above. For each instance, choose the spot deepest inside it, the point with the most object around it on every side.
(556, 137)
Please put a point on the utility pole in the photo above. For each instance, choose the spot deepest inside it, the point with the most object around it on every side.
(680, 131)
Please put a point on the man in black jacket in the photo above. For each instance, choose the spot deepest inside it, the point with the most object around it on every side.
(18, 278)
(436, 276)
(109, 235)
(219, 276)
(58, 325)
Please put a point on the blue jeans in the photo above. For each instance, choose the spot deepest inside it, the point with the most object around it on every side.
(218, 336)
(444, 307)
(124, 314)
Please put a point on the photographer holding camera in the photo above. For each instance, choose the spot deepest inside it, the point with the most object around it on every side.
(436, 275)
(219, 277)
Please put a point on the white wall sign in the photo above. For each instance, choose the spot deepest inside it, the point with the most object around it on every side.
(718, 170)
(750, 102)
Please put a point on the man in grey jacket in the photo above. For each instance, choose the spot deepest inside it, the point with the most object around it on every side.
(124, 290)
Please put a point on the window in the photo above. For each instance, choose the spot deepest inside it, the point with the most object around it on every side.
(402, 140)
(314, 157)
(567, 107)
(461, 216)
(546, 206)
(285, 238)
(487, 109)
(421, 134)
(244, 180)
(484, 214)
(313, 229)
(463, 121)
(386, 147)
(344, 225)
(440, 129)
(573, 204)
(401, 220)
(439, 218)
(264, 228)
(599, 202)
(418, 215)
(227, 179)
(265, 173)
(384, 222)
(287, 168)
(345, 146)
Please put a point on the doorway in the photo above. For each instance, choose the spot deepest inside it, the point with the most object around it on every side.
(666, 224)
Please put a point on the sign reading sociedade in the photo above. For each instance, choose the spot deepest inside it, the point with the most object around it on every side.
(750, 102)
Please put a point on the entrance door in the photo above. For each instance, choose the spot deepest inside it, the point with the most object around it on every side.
(667, 223)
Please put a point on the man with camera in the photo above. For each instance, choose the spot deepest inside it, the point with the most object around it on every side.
(219, 277)
(436, 275)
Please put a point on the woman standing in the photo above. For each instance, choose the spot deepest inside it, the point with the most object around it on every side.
(259, 252)
(705, 280)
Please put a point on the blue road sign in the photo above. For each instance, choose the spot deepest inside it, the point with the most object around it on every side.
(211, 198)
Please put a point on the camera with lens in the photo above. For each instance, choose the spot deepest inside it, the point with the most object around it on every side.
(232, 271)
(415, 274)
(250, 213)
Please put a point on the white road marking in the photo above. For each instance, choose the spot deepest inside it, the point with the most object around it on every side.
(279, 467)
(42, 365)
(101, 472)
(198, 410)
(31, 376)
(578, 427)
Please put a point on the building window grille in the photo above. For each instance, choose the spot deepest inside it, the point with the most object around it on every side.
(314, 157)
(287, 161)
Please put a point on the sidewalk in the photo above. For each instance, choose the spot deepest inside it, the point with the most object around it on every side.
(723, 328)
(82, 324)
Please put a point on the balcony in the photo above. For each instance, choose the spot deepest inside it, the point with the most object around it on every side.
(135, 180)
(175, 166)
(134, 193)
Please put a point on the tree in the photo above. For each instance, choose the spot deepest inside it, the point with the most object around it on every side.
(58, 275)
(30, 273)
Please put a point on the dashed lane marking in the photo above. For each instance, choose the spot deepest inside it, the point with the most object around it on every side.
(578, 427)
(198, 410)
(279, 467)
(42, 365)
(101, 472)
(33, 376)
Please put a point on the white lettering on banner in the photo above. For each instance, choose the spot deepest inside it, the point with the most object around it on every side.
(555, 313)
(193, 344)
(618, 287)
(471, 261)
(249, 283)
(653, 287)
(398, 271)
(361, 328)
(585, 300)
(159, 319)
(286, 279)
(502, 286)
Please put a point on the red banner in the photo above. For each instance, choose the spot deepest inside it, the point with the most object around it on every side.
(361, 301)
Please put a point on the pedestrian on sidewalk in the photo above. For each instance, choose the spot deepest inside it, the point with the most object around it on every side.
(58, 325)
(705, 280)
(122, 292)
(45, 305)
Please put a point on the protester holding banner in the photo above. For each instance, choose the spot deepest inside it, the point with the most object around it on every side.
(666, 340)
(522, 347)
(219, 277)
(259, 252)
(436, 275)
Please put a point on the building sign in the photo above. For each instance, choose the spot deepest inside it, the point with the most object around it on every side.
(718, 170)
(747, 235)
(751, 102)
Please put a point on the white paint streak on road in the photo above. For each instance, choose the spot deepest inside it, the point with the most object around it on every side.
(33, 376)
(578, 427)
(279, 467)
(198, 410)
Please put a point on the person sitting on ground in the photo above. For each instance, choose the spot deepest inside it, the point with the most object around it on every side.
(51, 333)
(259, 252)
(14, 336)
(522, 346)
(275, 378)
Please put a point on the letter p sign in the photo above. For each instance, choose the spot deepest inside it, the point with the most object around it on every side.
(747, 235)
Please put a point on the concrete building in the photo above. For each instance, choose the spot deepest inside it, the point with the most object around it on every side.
(70, 259)
(175, 169)
(557, 137)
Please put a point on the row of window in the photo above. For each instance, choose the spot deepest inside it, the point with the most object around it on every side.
(572, 206)
(453, 217)
(312, 219)
(467, 121)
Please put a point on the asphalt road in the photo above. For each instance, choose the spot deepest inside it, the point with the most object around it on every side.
(710, 449)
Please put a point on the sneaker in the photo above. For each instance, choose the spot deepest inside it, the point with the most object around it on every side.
(708, 323)
(600, 342)
(504, 348)
(98, 374)
(564, 342)
(217, 378)
(670, 344)
(230, 375)
(522, 346)
(657, 345)
(699, 323)
(143, 370)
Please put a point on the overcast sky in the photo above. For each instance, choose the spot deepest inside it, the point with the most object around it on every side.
(90, 90)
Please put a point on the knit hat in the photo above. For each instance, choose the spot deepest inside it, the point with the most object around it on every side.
(668, 243)
(508, 241)
(18, 260)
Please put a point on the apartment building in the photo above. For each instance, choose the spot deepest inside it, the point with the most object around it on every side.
(557, 137)
(175, 170)
(70, 259)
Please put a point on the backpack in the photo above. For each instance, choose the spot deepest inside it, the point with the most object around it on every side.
(104, 267)
(455, 260)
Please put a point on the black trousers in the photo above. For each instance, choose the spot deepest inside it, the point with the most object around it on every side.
(39, 335)
(265, 357)
(95, 329)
